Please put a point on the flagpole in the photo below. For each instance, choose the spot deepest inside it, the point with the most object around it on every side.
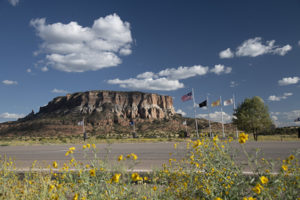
(195, 112)
(237, 132)
(222, 116)
(207, 103)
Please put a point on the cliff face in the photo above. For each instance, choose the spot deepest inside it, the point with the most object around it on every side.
(105, 105)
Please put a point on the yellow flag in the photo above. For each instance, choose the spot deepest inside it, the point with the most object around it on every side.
(216, 103)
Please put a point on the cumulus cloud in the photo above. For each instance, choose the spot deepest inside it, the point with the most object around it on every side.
(9, 82)
(289, 81)
(44, 69)
(279, 98)
(219, 69)
(286, 118)
(254, 47)
(227, 53)
(179, 111)
(58, 91)
(184, 72)
(7, 115)
(299, 42)
(28, 70)
(217, 117)
(14, 2)
(74, 48)
(167, 79)
(162, 84)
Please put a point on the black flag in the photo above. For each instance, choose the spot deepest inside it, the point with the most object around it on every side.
(203, 104)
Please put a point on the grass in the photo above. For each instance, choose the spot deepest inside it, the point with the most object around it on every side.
(31, 140)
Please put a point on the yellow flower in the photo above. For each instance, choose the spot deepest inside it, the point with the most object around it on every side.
(54, 164)
(264, 180)
(120, 158)
(284, 167)
(84, 146)
(51, 187)
(154, 188)
(94, 146)
(215, 139)
(291, 157)
(87, 166)
(136, 177)
(197, 143)
(243, 138)
(218, 198)
(257, 189)
(146, 178)
(134, 156)
(67, 153)
(72, 149)
(88, 145)
(175, 146)
(116, 178)
(93, 172)
(75, 197)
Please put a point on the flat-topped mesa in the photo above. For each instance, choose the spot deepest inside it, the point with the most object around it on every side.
(110, 104)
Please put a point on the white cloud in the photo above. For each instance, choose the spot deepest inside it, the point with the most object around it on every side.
(299, 42)
(289, 81)
(44, 69)
(162, 84)
(279, 98)
(59, 91)
(254, 47)
(233, 84)
(147, 75)
(219, 69)
(7, 115)
(184, 72)
(13, 2)
(274, 118)
(179, 111)
(286, 118)
(9, 82)
(227, 53)
(74, 48)
(28, 70)
(216, 116)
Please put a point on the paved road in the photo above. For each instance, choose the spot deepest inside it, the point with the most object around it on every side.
(151, 155)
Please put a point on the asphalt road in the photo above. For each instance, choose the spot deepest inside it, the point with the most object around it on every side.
(150, 155)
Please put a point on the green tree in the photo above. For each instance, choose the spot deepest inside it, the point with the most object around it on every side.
(252, 116)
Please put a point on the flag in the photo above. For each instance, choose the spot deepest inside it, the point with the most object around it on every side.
(184, 123)
(297, 120)
(228, 102)
(203, 104)
(187, 97)
(131, 123)
(216, 103)
(80, 123)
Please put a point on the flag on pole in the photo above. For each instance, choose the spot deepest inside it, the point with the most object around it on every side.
(216, 103)
(297, 120)
(187, 97)
(80, 123)
(184, 123)
(203, 104)
(228, 102)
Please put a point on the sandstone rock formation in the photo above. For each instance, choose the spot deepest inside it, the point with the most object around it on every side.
(110, 105)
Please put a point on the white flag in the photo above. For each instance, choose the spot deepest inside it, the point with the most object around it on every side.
(228, 102)
(184, 123)
(80, 123)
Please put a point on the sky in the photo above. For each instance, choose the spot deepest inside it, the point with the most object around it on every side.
(216, 48)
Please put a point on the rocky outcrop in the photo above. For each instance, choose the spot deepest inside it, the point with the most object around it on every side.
(110, 105)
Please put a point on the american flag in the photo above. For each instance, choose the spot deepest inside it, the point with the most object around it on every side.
(187, 97)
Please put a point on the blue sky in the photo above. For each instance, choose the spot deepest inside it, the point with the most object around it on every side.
(247, 48)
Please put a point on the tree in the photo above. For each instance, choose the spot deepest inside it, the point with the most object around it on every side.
(252, 116)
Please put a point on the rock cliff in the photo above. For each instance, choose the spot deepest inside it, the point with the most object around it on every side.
(117, 106)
